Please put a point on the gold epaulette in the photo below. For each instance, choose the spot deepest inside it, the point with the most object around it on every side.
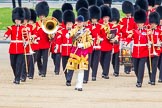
(9, 27)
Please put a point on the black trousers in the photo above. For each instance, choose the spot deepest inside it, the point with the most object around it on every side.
(105, 62)
(95, 61)
(139, 67)
(115, 62)
(68, 73)
(42, 59)
(86, 72)
(24, 70)
(56, 61)
(16, 61)
(14, 3)
(154, 62)
(160, 66)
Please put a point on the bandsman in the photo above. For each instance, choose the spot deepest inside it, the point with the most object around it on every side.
(159, 10)
(16, 49)
(56, 43)
(42, 10)
(154, 37)
(78, 60)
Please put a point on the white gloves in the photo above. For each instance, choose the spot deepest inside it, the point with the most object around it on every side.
(80, 45)
(67, 35)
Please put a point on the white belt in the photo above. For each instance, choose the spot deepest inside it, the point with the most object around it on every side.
(96, 46)
(16, 41)
(66, 44)
(140, 45)
(157, 45)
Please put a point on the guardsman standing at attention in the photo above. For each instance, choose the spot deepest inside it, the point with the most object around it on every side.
(140, 48)
(42, 10)
(159, 10)
(78, 60)
(95, 28)
(56, 43)
(16, 49)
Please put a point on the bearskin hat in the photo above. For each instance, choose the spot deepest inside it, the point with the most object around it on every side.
(33, 15)
(105, 11)
(127, 7)
(18, 13)
(151, 3)
(143, 4)
(100, 2)
(81, 3)
(154, 17)
(140, 16)
(159, 10)
(27, 13)
(85, 13)
(58, 15)
(66, 6)
(107, 1)
(95, 12)
(92, 2)
(42, 8)
(115, 15)
(68, 16)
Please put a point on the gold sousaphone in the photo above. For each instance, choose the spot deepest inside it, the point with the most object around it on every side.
(50, 26)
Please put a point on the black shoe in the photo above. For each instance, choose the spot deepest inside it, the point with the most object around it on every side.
(159, 81)
(151, 83)
(85, 82)
(76, 89)
(23, 80)
(40, 73)
(14, 81)
(43, 75)
(30, 77)
(139, 85)
(56, 73)
(68, 84)
(115, 74)
(93, 78)
(127, 72)
(105, 77)
(80, 89)
(17, 82)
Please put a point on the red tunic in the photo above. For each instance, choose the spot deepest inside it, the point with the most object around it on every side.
(96, 35)
(44, 42)
(16, 45)
(106, 45)
(56, 42)
(116, 46)
(156, 39)
(128, 25)
(66, 43)
(140, 48)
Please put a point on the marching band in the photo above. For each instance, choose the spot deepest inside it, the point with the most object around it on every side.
(97, 35)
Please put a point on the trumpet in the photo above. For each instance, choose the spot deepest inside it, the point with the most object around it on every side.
(50, 26)
(26, 34)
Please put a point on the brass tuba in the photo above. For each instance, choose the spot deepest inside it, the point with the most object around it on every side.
(50, 26)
